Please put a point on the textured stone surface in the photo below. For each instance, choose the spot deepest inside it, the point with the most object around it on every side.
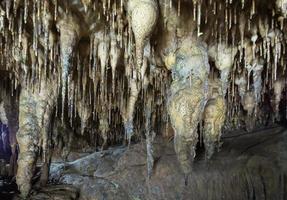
(252, 166)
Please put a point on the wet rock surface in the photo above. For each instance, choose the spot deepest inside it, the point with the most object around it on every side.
(251, 167)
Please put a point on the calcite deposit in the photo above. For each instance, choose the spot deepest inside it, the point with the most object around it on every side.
(79, 76)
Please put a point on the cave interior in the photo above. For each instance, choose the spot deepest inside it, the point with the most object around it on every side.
(143, 99)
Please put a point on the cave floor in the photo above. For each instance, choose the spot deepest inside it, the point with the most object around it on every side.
(249, 166)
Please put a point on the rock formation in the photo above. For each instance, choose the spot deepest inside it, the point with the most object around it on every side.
(83, 74)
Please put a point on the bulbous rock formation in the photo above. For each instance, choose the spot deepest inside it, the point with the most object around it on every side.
(188, 98)
(143, 16)
(224, 58)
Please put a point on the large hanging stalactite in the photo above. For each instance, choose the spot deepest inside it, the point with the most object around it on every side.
(69, 35)
(188, 98)
(214, 118)
(34, 120)
(144, 15)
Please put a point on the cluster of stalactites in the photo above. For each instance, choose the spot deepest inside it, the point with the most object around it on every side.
(103, 37)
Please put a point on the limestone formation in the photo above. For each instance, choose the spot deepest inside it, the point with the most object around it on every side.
(84, 113)
(224, 58)
(83, 74)
(277, 95)
(188, 98)
(214, 118)
(33, 135)
(143, 16)
(69, 35)
(248, 104)
(281, 5)
(3, 117)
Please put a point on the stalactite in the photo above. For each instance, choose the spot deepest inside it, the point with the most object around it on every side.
(214, 117)
(242, 85)
(248, 104)
(281, 7)
(224, 57)
(242, 25)
(150, 136)
(34, 108)
(114, 58)
(3, 117)
(87, 4)
(278, 87)
(188, 89)
(104, 126)
(84, 112)
(103, 54)
(128, 113)
(143, 18)
(69, 34)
